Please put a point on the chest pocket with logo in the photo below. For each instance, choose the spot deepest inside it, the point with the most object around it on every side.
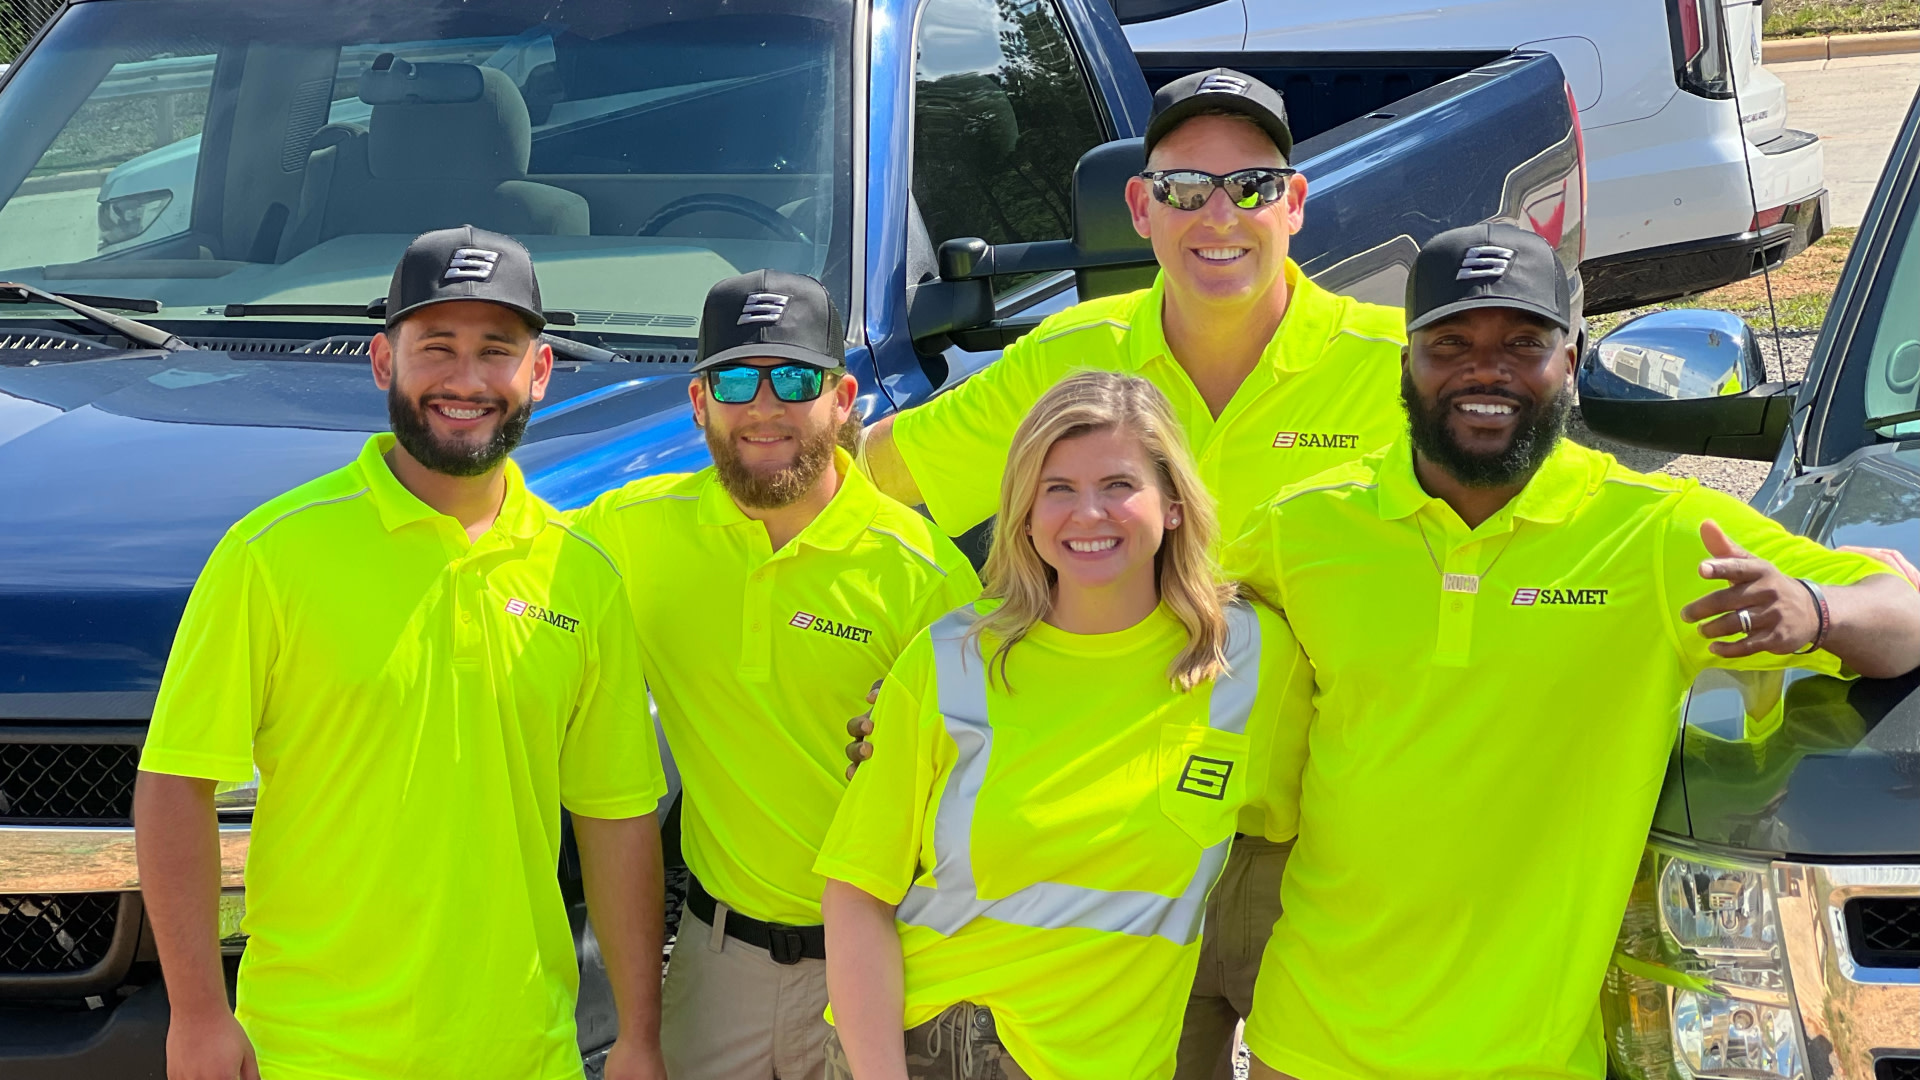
(1202, 780)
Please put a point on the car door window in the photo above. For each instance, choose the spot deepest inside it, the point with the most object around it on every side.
(1002, 113)
(74, 204)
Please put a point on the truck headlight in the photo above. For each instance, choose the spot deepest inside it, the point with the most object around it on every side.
(1698, 986)
(128, 216)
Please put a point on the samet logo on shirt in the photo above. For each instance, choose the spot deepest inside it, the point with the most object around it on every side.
(1316, 440)
(1580, 597)
(1205, 777)
(824, 625)
(517, 606)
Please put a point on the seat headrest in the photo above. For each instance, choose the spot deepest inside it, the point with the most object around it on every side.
(487, 139)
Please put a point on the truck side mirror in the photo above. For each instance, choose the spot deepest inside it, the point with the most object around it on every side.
(1688, 381)
(1105, 253)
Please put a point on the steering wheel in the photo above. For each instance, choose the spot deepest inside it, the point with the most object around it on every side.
(757, 212)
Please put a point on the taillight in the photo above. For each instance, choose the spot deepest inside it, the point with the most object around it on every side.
(1698, 34)
(1580, 154)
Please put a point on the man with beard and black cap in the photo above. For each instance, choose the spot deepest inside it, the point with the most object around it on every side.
(420, 664)
(770, 591)
(1503, 626)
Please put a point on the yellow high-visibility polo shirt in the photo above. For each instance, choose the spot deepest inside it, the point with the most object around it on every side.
(419, 707)
(758, 658)
(1326, 390)
(1482, 771)
(1052, 863)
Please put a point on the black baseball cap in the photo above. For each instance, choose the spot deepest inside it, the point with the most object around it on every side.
(770, 313)
(1220, 88)
(1491, 265)
(465, 264)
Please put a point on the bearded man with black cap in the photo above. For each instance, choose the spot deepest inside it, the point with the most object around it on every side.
(1503, 625)
(770, 590)
(420, 664)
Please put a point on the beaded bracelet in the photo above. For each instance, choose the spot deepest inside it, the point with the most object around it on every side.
(1826, 617)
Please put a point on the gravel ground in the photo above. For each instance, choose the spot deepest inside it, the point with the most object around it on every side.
(1737, 478)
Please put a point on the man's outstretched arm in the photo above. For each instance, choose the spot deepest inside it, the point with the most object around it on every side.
(624, 881)
(176, 838)
(880, 457)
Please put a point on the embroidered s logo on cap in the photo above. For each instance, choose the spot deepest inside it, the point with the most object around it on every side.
(805, 620)
(471, 264)
(1485, 261)
(763, 307)
(1222, 84)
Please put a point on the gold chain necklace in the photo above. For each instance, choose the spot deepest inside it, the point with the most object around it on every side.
(1458, 583)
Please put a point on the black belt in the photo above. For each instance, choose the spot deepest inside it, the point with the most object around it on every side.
(785, 944)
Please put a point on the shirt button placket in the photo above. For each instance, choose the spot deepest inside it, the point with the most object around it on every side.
(1454, 644)
(756, 621)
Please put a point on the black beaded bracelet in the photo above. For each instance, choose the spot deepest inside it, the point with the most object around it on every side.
(1826, 617)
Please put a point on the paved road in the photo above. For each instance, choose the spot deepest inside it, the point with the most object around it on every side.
(1855, 105)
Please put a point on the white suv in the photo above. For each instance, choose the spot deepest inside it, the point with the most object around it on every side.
(1688, 186)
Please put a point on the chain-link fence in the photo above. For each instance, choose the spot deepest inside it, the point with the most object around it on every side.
(19, 21)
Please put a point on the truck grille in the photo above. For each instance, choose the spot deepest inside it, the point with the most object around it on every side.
(1885, 932)
(50, 935)
(67, 783)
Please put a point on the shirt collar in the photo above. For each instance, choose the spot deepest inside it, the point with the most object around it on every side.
(846, 516)
(521, 515)
(1297, 343)
(1569, 475)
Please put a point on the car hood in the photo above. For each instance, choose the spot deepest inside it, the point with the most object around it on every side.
(1805, 764)
(119, 474)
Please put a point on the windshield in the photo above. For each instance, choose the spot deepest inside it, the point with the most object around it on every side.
(212, 152)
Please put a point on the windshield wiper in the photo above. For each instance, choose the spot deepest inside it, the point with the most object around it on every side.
(372, 309)
(1907, 417)
(12, 292)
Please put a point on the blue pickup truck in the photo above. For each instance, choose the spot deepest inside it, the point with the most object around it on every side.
(172, 357)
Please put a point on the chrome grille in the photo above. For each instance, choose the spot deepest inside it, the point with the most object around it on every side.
(1885, 931)
(55, 934)
(67, 783)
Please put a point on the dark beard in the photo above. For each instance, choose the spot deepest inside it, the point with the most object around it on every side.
(410, 427)
(1540, 428)
(771, 491)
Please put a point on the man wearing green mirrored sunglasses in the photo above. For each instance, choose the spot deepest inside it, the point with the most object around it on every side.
(770, 591)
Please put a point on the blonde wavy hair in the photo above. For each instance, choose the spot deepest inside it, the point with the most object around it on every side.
(1189, 580)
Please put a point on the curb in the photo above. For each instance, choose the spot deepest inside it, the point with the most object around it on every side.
(1839, 45)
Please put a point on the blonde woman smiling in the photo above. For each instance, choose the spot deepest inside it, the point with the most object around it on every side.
(1017, 877)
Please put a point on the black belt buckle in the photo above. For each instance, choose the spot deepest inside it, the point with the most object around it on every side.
(785, 944)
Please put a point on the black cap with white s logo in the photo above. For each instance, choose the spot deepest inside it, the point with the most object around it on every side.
(465, 264)
(1491, 265)
(1220, 89)
(774, 314)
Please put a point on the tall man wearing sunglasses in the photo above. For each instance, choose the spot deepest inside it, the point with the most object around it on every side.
(770, 590)
(1274, 379)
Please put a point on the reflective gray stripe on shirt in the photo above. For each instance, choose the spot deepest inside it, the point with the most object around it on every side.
(954, 901)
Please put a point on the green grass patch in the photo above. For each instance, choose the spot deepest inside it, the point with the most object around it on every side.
(1812, 18)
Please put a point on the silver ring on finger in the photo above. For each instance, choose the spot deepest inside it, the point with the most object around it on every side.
(1746, 621)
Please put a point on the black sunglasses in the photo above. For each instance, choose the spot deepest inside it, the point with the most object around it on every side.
(1189, 189)
(740, 383)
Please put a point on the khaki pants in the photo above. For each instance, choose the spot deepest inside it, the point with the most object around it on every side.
(1240, 917)
(728, 1011)
(959, 1044)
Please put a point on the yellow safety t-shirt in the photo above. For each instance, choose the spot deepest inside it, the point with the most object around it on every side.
(758, 658)
(1483, 767)
(419, 707)
(1052, 864)
(1326, 390)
